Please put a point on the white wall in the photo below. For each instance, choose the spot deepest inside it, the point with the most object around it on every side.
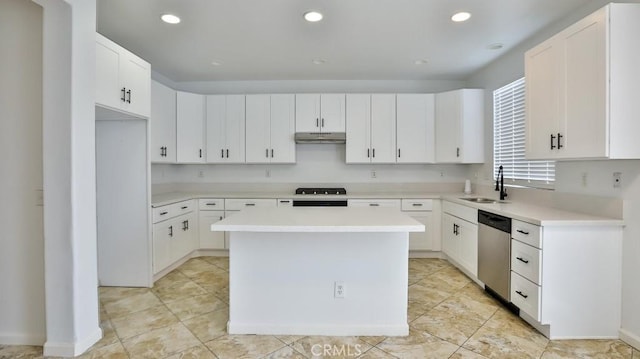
(569, 174)
(21, 239)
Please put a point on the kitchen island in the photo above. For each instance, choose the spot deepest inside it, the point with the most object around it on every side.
(318, 271)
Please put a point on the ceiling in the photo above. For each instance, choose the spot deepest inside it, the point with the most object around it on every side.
(357, 39)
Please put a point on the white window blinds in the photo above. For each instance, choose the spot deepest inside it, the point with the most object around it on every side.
(509, 140)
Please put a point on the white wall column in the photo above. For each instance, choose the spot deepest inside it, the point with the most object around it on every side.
(72, 323)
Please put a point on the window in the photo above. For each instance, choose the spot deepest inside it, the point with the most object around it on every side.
(509, 140)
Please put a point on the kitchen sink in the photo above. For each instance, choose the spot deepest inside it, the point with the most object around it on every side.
(479, 200)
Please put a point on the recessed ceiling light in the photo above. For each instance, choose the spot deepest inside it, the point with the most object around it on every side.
(496, 46)
(170, 19)
(312, 16)
(216, 63)
(461, 16)
(318, 61)
(421, 62)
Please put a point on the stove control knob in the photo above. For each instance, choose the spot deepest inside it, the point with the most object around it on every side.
(314, 192)
(326, 192)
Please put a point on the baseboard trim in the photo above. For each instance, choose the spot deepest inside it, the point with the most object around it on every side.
(72, 349)
(318, 330)
(22, 339)
(426, 254)
(630, 338)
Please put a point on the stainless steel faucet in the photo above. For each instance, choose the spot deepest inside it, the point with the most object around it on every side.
(500, 184)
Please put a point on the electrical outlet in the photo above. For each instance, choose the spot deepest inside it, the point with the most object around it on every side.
(584, 179)
(374, 174)
(339, 290)
(617, 179)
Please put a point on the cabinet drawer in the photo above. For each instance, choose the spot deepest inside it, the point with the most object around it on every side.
(527, 233)
(163, 213)
(389, 203)
(525, 260)
(211, 204)
(525, 295)
(285, 202)
(236, 204)
(417, 204)
(467, 213)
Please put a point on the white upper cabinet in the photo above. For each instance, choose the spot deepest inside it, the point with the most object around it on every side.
(270, 129)
(371, 128)
(459, 126)
(190, 127)
(582, 86)
(162, 123)
(226, 128)
(320, 112)
(415, 116)
(123, 80)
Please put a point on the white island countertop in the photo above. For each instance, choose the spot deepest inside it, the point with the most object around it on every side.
(314, 219)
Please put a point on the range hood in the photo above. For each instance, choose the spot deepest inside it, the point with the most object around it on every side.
(318, 137)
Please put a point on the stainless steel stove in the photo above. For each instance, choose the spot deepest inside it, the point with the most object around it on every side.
(320, 197)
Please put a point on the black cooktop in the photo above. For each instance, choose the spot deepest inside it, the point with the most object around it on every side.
(321, 191)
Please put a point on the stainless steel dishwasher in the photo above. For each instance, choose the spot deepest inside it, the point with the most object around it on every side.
(494, 254)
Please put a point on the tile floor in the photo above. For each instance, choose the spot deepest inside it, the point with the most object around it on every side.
(185, 315)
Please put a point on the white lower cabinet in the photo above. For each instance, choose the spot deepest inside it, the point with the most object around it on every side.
(174, 233)
(211, 211)
(390, 203)
(460, 237)
(421, 211)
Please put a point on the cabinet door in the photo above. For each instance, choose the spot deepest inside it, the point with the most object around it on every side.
(135, 76)
(586, 130)
(163, 234)
(358, 146)
(258, 144)
(421, 240)
(209, 239)
(216, 129)
(332, 113)
(542, 99)
(307, 113)
(383, 128)
(448, 127)
(415, 128)
(162, 123)
(468, 242)
(234, 129)
(185, 241)
(108, 89)
(283, 128)
(449, 238)
(190, 126)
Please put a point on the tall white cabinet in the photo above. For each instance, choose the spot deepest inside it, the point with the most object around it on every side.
(459, 122)
(190, 127)
(582, 87)
(162, 123)
(122, 79)
(270, 128)
(371, 128)
(225, 128)
(320, 112)
(415, 128)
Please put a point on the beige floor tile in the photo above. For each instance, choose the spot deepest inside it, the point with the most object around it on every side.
(449, 279)
(178, 290)
(415, 310)
(132, 303)
(199, 352)
(195, 306)
(20, 352)
(108, 335)
(289, 339)
(417, 345)
(209, 326)
(212, 280)
(331, 347)
(137, 323)
(425, 296)
(375, 353)
(170, 279)
(113, 351)
(196, 266)
(161, 342)
(244, 346)
(636, 354)
(113, 294)
(285, 353)
(455, 319)
(221, 262)
(463, 353)
(602, 349)
(505, 335)
(372, 340)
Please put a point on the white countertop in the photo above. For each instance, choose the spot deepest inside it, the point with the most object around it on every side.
(313, 219)
(538, 215)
